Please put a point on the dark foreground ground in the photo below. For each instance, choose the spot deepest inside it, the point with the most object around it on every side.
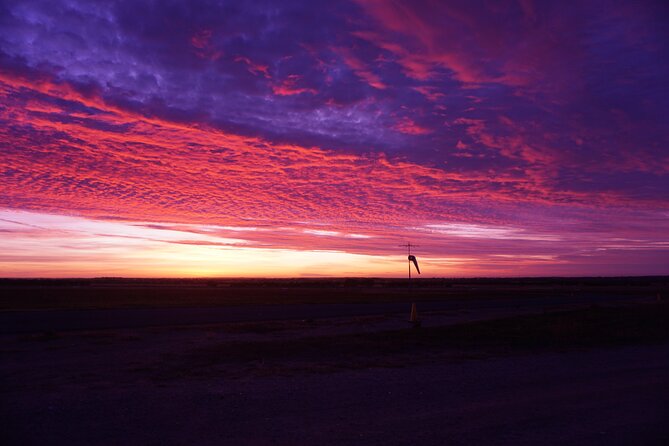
(492, 364)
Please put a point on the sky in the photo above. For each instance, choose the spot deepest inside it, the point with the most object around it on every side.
(296, 138)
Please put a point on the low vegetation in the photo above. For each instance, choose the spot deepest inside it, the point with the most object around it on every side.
(563, 330)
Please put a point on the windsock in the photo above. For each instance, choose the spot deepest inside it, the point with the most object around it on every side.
(415, 262)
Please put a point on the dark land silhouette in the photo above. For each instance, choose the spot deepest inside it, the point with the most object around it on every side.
(333, 361)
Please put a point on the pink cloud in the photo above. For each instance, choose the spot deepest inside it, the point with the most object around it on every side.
(204, 48)
(437, 34)
(156, 170)
(432, 94)
(290, 87)
(254, 68)
(409, 127)
(475, 43)
(114, 165)
(360, 68)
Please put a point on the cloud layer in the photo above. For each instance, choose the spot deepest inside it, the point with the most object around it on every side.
(490, 131)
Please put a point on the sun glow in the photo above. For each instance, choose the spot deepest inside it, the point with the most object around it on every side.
(73, 246)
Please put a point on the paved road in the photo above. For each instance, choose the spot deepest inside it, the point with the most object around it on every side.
(65, 320)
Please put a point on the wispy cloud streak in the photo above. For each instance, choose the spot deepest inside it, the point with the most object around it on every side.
(498, 134)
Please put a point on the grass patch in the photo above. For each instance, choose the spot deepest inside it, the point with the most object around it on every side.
(44, 336)
(27, 294)
(595, 326)
(583, 328)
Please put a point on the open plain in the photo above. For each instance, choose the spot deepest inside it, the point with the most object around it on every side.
(533, 361)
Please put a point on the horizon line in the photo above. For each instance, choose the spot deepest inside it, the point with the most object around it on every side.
(339, 277)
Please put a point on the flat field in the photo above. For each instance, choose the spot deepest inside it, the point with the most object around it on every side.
(534, 361)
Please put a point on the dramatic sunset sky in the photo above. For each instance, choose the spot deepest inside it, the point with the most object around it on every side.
(307, 138)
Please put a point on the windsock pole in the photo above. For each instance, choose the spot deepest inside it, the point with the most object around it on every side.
(413, 317)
